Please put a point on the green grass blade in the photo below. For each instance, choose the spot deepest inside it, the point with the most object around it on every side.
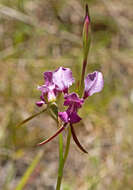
(29, 171)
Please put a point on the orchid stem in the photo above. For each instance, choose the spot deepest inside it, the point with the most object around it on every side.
(83, 71)
(60, 170)
(67, 144)
(82, 76)
(61, 159)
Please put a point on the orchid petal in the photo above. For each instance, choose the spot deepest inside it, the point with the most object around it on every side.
(43, 89)
(93, 83)
(40, 103)
(64, 116)
(73, 98)
(74, 118)
(62, 78)
(48, 77)
(74, 103)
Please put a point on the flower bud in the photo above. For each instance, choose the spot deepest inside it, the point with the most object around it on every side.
(86, 34)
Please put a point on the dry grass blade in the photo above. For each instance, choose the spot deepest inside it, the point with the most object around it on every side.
(17, 15)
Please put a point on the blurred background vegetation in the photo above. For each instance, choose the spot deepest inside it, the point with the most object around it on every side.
(41, 35)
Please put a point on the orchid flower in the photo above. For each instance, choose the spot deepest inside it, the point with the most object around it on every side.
(57, 81)
(93, 84)
(62, 79)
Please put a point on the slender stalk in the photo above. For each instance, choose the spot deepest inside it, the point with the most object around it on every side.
(67, 144)
(82, 77)
(61, 159)
(24, 180)
(83, 71)
(60, 170)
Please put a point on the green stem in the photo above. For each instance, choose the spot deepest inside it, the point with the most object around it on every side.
(67, 144)
(60, 170)
(24, 180)
(61, 159)
(82, 77)
(83, 70)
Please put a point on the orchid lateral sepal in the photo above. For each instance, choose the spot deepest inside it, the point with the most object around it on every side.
(53, 136)
(76, 139)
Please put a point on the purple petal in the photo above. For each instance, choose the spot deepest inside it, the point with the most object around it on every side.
(73, 99)
(62, 78)
(51, 96)
(74, 118)
(42, 97)
(64, 116)
(49, 91)
(48, 77)
(40, 103)
(43, 89)
(93, 83)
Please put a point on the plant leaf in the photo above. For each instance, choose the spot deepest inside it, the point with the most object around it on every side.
(31, 117)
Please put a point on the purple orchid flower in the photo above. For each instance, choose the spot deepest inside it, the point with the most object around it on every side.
(93, 84)
(61, 79)
(58, 81)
